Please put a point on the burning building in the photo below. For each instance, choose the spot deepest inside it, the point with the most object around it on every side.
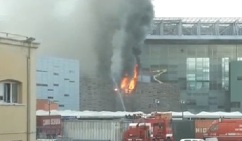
(129, 84)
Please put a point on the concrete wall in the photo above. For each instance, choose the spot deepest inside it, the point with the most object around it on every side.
(43, 104)
(13, 67)
(96, 95)
(143, 98)
(102, 97)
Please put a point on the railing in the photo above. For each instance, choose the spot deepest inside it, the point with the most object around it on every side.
(12, 36)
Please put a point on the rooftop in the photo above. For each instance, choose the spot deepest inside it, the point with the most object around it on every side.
(196, 28)
(17, 40)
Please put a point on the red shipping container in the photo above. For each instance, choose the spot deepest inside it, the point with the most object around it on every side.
(49, 125)
(52, 120)
(201, 127)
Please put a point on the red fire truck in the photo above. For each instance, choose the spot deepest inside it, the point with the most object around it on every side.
(154, 128)
(225, 130)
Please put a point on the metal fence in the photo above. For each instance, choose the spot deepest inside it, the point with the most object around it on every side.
(105, 130)
(94, 130)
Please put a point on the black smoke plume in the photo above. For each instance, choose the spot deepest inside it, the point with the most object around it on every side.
(137, 20)
(99, 33)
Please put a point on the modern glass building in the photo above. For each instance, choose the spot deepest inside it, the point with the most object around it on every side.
(58, 80)
(196, 54)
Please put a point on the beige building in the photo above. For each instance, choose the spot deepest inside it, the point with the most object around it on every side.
(17, 88)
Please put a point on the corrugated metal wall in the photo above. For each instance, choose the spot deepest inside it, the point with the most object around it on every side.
(95, 130)
(183, 129)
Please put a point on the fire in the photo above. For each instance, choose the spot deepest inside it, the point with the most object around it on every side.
(128, 85)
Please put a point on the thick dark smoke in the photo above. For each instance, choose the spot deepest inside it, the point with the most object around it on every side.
(134, 27)
(99, 33)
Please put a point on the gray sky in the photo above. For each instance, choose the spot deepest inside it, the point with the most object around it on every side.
(197, 8)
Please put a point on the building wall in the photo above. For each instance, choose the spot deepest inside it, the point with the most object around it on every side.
(14, 118)
(235, 85)
(96, 94)
(146, 94)
(59, 78)
(46, 105)
(201, 70)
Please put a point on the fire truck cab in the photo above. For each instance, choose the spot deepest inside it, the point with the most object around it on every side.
(150, 129)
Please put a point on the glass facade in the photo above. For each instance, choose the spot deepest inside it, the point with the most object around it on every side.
(202, 70)
(59, 78)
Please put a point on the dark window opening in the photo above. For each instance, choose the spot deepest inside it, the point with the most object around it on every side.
(41, 71)
(239, 78)
(61, 105)
(72, 81)
(66, 95)
(66, 78)
(44, 85)
(50, 90)
(56, 84)
(56, 73)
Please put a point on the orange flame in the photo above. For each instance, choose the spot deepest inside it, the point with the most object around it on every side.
(128, 85)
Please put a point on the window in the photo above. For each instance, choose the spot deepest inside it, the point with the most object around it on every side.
(72, 81)
(55, 73)
(66, 95)
(56, 84)
(239, 78)
(41, 71)
(61, 105)
(198, 74)
(225, 73)
(44, 85)
(50, 90)
(159, 125)
(9, 92)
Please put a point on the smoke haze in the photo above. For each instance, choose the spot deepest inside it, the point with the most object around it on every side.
(99, 33)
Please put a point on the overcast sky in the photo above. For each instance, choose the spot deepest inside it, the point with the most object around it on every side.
(198, 8)
(172, 8)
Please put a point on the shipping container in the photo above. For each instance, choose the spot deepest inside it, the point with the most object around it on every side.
(49, 120)
(96, 130)
(48, 126)
(201, 127)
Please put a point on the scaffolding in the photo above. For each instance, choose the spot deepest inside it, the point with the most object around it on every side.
(197, 27)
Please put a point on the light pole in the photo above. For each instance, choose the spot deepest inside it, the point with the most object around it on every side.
(49, 102)
(182, 103)
(49, 105)
(156, 102)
